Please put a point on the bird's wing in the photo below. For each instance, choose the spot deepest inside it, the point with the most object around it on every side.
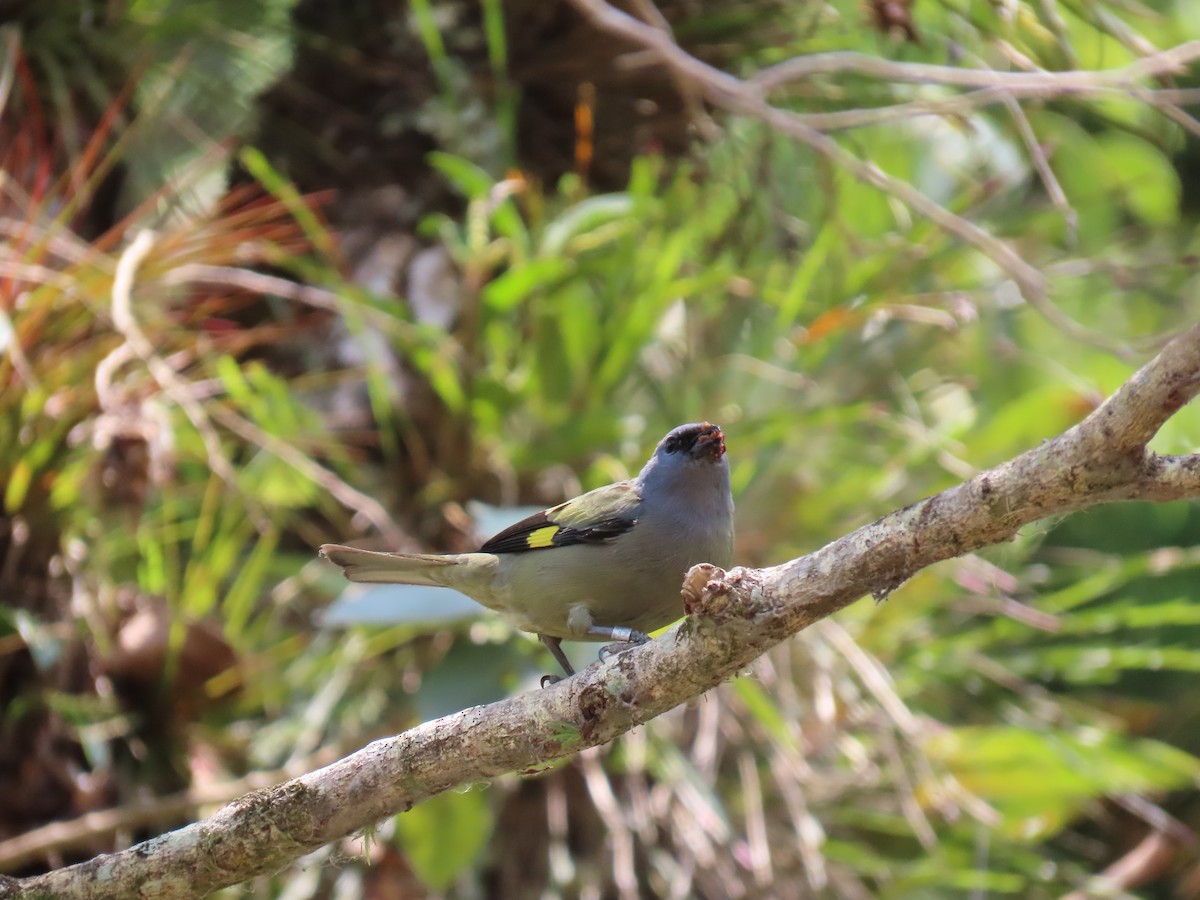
(590, 518)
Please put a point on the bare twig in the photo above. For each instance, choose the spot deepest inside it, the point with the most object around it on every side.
(1042, 165)
(36, 274)
(977, 98)
(732, 618)
(1057, 84)
(756, 823)
(57, 242)
(872, 674)
(260, 283)
(609, 807)
(11, 39)
(696, 112)
(1142, 864)
(810, 836)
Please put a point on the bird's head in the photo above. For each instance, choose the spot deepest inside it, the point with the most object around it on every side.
(689, 451)
(698, 442)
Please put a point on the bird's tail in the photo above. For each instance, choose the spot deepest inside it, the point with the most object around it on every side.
(459, 570)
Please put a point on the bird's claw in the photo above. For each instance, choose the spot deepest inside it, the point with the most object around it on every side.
(548, 680)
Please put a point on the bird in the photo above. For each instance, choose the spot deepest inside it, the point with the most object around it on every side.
(607, 565)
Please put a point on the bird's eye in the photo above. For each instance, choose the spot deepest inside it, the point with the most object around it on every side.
(672, 444)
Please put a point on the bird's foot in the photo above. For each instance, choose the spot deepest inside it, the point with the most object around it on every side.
(624, 638)
(554, 645)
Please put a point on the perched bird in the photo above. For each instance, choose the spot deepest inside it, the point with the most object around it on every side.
(606, 566)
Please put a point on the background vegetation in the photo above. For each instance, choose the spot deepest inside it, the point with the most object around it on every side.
(279, 274)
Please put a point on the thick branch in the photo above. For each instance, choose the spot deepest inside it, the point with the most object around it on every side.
(733, 618)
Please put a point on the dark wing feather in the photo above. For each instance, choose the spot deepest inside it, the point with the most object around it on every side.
(591, 518)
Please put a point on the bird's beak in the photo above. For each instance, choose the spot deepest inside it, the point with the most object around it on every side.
(710, 444)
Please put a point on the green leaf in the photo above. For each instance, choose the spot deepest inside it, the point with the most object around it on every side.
(234, 381)
(1121, 617)
(286, 192)
(1103, 663)
(18, 486)
(800, 285)
(467, 178)
(438, 365)
(1040, 781)
(277, 483)
(583, 218)
(238, 603)
(507, 291)
(763, 709)
(445, 834)
(1143, 177)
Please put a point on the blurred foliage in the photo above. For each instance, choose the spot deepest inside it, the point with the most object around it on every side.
(1008, 723)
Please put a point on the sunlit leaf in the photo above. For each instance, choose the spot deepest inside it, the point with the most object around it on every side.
(509, 289)
(589, 216)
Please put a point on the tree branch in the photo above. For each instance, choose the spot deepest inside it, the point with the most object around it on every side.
(1174, 61)
(732, 618)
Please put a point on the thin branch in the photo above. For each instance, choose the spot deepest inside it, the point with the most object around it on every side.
(609, 808)
(872, 674)
(1042, 165)
(757, 841)
(11, 38)
(960, 104)
(1145, 862)
(260, 283)
(732, 618)
(1167, 62)
(55, 241)
(695, 110)
(36, 274)
(1179, 117)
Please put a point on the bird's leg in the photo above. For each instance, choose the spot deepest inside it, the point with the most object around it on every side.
(623, 638)
(554, 645)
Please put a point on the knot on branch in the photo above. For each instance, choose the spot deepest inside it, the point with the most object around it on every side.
(594, 702)
(709, 592)
(610, 703)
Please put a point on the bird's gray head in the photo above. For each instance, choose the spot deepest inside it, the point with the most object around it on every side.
(692, 453)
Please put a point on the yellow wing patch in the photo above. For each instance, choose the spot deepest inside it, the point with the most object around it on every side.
(543, 537)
